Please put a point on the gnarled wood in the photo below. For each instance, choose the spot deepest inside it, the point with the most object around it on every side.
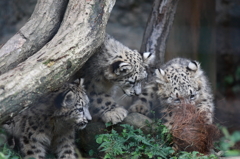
(40, 28)
(81, 32)
(158, 27)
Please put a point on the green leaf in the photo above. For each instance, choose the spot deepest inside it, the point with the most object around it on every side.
(235, 136)
(91, 152)
(232, 153)
(99, 139)
(108, 124)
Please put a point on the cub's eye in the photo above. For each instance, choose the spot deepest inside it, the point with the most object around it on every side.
(80, 109)
(192, 96)
(177, 100)
(130, 82)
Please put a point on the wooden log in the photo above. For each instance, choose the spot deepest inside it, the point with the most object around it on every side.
(41, 27)
(81, 32)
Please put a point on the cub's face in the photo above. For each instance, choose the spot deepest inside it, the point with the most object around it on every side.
(128, 72)
(179, 84)
(73, 105)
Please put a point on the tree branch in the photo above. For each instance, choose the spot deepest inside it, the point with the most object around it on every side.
(40, 28)
(157, 30)
(81, 32)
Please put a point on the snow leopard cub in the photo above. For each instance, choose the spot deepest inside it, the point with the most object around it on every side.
(113, 65)
(179, 81)
(51, 125)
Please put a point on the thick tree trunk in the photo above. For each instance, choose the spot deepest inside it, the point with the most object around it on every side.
(81, 32)
(158, 27)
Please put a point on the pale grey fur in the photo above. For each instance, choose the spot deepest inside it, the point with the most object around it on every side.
(178, 81)
(113, 65)
(52, 124)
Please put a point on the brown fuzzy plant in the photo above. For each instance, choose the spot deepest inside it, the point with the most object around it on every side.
(190, 131)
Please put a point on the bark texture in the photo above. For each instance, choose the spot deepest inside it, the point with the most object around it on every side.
(82, 30)
(158, 27)
(40, 28)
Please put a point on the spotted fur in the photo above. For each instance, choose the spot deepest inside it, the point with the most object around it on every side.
(179, 81)
(51, 124)
(113, 65)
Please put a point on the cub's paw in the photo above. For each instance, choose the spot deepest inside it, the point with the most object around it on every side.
(139, 108)
(115, 115)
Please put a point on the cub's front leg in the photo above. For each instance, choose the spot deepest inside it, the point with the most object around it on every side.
(65, 146)
(31, 147)
(104, 107)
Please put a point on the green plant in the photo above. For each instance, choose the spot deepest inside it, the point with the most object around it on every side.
(5, 151)
(227, 142)
(193, 155)
(133, 143)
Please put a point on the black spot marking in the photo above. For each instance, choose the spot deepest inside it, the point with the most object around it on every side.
(29, 152)
(33, 146)
(37, 151)
(34, 139)
(47, 126)
(152, 95)
(71, 137)
(41, 131)
(68, 151)
(34, 127)
(92, 93)
(25, 140)
(66, 146)
(99, 100)
(150, 104)
(143, 100)
(31, 123)
(108, 103)
(91, 100)
(76, 155)
(96, 110)
(30, 134)
(175, 77)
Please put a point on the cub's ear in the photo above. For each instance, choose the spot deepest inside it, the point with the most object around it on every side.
(65, 99)
(76, 81)
(118, 68)
(148, 58)
(160, 76)
(194, 67)
(79, 82)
